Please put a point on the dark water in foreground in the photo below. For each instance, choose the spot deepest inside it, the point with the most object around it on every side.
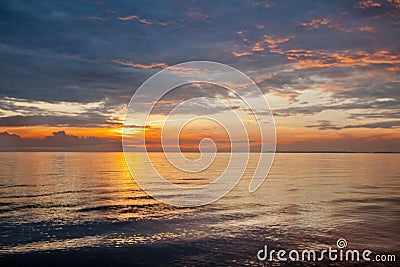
(83, 209)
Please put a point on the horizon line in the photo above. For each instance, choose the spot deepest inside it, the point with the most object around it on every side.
(118, 151)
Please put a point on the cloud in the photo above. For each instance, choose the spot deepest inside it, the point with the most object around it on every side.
(366, 29)
(327, 125)
(391, 114)
(141, 66)
(86, 120)
(202, 92)
(320, 59)
(134, 17)
(272, 42)
(395, 3)
(374, 125)
(131, 17)
(324, 125)
(58, 141)
(310, 110)
(315, 23)
(15, 112)
(367, 3)
(357, 104)
(262, 3)
(93, 18)
(394, 69)
(336, 24)
(257, 47)
(195, 16)
(241, 54)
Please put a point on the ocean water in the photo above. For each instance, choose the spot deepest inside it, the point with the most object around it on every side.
(67, 208)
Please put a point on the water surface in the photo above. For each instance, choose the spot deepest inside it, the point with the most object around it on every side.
(54, 204)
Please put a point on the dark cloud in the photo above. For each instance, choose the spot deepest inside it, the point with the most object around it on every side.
(324, 125)
(64, 52)
(376, 115)
(84, 120)
(202, 106)
(58, 141)
(374, 90)
(327, 125)
(374, 125)
(381, 105)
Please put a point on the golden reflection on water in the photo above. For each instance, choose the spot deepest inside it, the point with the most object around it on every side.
(189, 179)
(308, 199)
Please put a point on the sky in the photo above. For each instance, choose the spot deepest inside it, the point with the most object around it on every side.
(329, 69)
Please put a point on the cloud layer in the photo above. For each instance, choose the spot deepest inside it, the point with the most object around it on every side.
(331, 65)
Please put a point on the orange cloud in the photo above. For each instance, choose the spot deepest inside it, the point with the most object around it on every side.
(272, 43)
(141, 66)
(145, 21)
(128, 17)
(134, 17)
(298, 53)
(38, 132)
(257, 47)
(319, 59)
(366, 29)
(395, 3)
(315, 23)
(394, 69)
(367, 4)
(241, 54)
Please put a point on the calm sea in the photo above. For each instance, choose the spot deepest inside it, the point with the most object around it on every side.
(62, 209)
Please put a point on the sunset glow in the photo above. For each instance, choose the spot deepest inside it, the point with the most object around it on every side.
(331, 75)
